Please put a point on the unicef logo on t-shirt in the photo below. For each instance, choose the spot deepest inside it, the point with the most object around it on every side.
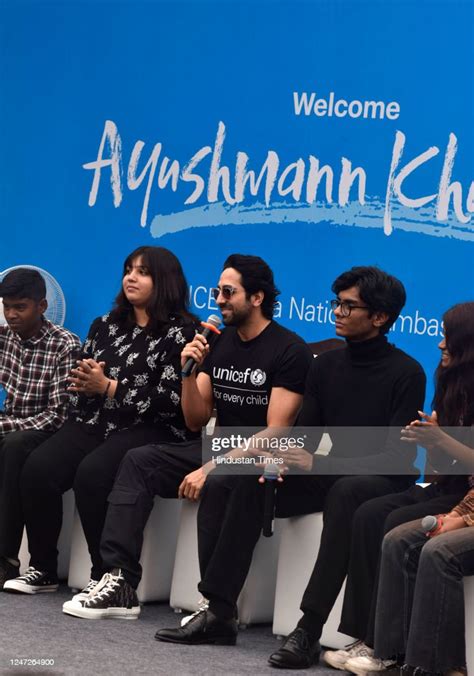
(56, 311)
(258, 377)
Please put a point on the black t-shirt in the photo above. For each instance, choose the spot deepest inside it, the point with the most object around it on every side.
(243, 373)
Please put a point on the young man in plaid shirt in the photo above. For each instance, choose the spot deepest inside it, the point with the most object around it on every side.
(36, 358)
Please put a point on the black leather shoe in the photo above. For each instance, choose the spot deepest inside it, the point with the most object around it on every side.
(205, 627)
(297, 652)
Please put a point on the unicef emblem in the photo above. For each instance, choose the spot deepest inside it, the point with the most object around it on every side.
(258, 377)
(56, 312)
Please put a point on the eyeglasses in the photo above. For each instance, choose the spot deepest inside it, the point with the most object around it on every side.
(227, 291)
(346, 308)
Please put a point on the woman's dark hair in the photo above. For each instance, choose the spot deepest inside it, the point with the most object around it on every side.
(454, 395)
(380, 291)
(170, 295)
(256, 276)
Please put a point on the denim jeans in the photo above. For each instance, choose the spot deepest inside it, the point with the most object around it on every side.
(420, 603)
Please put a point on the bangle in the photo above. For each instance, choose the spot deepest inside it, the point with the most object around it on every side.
(107, 388)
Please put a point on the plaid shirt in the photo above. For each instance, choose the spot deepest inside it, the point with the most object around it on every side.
(34, 374)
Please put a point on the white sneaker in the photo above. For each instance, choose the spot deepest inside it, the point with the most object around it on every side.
(203, 604)
(88, 589)
(338, 658)
(365, 664)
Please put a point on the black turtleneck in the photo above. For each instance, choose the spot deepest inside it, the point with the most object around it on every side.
(371, 384)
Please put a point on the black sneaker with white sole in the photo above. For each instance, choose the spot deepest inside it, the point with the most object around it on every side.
(32, 582)
(113, 597)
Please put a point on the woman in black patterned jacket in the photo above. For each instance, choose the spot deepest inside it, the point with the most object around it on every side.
(126, 393)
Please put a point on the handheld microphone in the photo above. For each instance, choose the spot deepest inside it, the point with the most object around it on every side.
(431, 524)
(270, 475)
(213, 321)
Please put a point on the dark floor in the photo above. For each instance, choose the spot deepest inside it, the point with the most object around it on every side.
(34, 628)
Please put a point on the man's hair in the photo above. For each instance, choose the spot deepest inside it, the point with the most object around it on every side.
(23, 283)
(380, 291)
(256, 276)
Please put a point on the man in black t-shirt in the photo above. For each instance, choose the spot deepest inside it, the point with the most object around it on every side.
(254, 376)
(243, 372)
(368, 383)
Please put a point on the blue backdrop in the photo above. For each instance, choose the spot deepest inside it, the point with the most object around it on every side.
(129, 123)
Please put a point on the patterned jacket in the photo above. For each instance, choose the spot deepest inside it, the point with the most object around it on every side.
(148, 371)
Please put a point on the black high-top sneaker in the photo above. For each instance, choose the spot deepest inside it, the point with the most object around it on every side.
(113, 596)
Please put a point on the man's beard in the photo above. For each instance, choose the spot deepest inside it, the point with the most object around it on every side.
(236, 317)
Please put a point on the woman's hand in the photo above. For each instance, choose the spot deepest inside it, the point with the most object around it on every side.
(451, 521)
(425, 432)
(88, 378)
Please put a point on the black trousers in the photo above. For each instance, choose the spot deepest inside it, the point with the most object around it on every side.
(230, 521)
(73, 457)
(372, 521)
(145, 472)
(15, 447)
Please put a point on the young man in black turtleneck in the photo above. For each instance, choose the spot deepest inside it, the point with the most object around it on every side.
(370, 383)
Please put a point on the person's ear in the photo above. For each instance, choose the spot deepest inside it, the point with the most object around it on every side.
(257, 298)
(43, 305)
(379, 319)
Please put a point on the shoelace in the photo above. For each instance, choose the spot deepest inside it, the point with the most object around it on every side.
(298, 638)
(30, 575)
(92, 584)
(106, 586)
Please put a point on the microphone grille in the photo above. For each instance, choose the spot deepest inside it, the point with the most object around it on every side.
(429, 522)
(271, 471)
(214, 320)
